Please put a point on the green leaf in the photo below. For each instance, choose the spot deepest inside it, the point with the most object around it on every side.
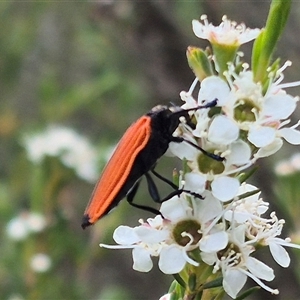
(247, 293)
(179, 280)
(248, 194)
(214, 283)
(256, 52)
(265, 44)
(192, 283)
(176, 291)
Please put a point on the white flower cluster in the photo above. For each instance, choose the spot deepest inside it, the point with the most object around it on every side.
(26, 223)
(225, 233)
(227, 227)
(40, 263)
(74, 150)
(21, 227)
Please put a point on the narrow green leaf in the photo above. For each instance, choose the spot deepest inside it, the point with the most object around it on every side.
(248, 293)
(256, 52)
(248, 194)
(265, 44)
(192, 282)
(176, 291)
(178, 278)
(214, 283)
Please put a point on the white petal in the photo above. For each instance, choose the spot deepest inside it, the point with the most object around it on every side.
(141, 260)
(238, 234)
(280, 255)
(183, 150)
(202, 124)
(174, 209)
(238, 216)
(261, 136)
(247, 187)
(156, 222)
(270, 149)
(240, 153)
(279, 106)
(214, 242)
(125, 235)
(233, 282)
(208, 208)
(208, 258)
(198, 29)
(222, 131)
(151, 235)
(259, 269)
(225, 188)
(171, 260)
(291, 135)
(212, 88)
(194, 182)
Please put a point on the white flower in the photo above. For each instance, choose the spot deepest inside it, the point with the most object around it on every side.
(74, 150)
(266, 233)
(236, 264)
(25, 223)
(17, 229)
(295, 161)
(171, 239)
(246, 209)
(40, 263)
(36, 222)
(289, 166)
(284, 168)
(228, 32)
(259, 230)
(145, 240)
(263, 116)
(223, 186)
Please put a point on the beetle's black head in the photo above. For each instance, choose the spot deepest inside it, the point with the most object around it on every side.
(167, 119)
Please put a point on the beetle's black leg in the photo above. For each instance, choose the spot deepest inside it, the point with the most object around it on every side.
(152, 188)
(154, 193)
(162, 178)
(179, 139)
(130, 197)
(178, 192)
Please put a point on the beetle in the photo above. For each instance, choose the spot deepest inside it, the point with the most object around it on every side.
(136, 154)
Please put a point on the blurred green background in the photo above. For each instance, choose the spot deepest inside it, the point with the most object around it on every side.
(95, 67)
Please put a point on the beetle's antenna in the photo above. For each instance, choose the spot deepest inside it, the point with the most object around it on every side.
(207, 105)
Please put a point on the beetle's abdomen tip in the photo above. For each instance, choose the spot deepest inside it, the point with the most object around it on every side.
(85, 221)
